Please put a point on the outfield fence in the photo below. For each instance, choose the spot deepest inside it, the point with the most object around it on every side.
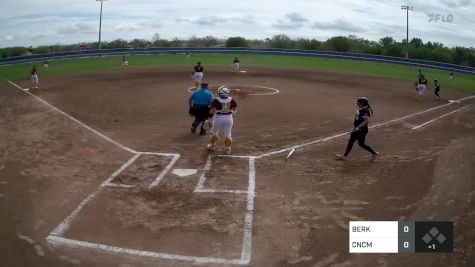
(258, 51)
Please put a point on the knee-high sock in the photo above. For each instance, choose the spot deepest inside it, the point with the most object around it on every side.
(228, 142)
(214, 139)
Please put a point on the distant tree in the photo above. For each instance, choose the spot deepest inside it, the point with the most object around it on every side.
(417, 42)
(210, 41)
(339, 43)
(177, 42)
(281, 41)
(140, 43)
(237, 42)
(308, 44)
(15, 51)
(118, 43)
(41, 50)
(386, 41)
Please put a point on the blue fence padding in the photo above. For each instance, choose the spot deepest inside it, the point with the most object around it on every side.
(266, 51)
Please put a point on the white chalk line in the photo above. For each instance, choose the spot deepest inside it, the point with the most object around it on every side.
(438, 118)
(274, 91)
(75, 120)
(111, 184)
(201, 181)
(57, 240)
(248, 220)
(328, 138)
(64, 225)
(159, 178)
(212, 190)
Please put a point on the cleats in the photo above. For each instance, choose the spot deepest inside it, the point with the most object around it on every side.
(211, 147)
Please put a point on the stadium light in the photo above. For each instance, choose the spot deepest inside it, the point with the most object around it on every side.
(100, 23)
(407, 8)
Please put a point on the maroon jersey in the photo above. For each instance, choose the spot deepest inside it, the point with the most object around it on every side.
(199, 68)
(224, 106)
(421, 81)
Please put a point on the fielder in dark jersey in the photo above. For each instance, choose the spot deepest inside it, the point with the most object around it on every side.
(437, 89)
(198, 74)
(360, 129)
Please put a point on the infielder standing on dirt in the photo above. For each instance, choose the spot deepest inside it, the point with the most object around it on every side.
(198, 74)
(125, 62)
(236, 64)
(223, 108)
(360, 129)
(34, 78)
(421, 86)
(199, 104)
(437, 89)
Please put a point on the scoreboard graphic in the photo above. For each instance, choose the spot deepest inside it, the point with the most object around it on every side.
(400, 237)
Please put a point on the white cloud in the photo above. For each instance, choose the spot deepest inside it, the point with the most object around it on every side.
(9, 38)
(78, 21)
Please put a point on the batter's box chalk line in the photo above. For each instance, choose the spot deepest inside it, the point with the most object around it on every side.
(56, 236)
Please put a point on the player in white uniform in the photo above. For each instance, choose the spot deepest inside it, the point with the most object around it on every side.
(224, 108)
(236, 64)
(33, 77)
(125, 62)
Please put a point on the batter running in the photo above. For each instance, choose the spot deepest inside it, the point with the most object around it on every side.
(223, 108)
(198, 74)
(360, 129)
(421, 86)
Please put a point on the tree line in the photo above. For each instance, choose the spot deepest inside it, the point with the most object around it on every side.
(386, 46)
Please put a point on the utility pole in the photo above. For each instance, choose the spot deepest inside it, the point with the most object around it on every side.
(407, 8)
(100, 23)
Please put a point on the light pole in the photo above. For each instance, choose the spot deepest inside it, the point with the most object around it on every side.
(407, 8)
(100, 23)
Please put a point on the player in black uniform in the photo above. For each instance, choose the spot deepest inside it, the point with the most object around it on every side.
(360, 129)
(437, 89)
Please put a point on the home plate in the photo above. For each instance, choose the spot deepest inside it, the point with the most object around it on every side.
(243, 71)
(184, 172)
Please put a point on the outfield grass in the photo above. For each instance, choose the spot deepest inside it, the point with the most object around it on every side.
(75, 66)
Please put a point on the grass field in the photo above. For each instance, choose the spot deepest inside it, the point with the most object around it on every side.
(76, 66)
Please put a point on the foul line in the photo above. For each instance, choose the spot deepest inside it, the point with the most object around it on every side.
(141, 253)
(440, 117)
(75, 120)
(320, 140)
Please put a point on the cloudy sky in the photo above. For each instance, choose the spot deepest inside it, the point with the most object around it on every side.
(46, 22)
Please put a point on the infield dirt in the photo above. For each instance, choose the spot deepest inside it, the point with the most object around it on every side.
(49, 164)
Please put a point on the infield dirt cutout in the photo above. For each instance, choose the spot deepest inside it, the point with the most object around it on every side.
(296, 213)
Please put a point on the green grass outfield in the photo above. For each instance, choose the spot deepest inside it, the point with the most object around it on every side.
(87, 65)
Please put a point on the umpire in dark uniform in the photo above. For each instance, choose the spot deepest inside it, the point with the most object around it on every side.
(360, 129)
(199, 103)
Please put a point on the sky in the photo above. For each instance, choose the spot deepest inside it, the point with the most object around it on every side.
(47, 22)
